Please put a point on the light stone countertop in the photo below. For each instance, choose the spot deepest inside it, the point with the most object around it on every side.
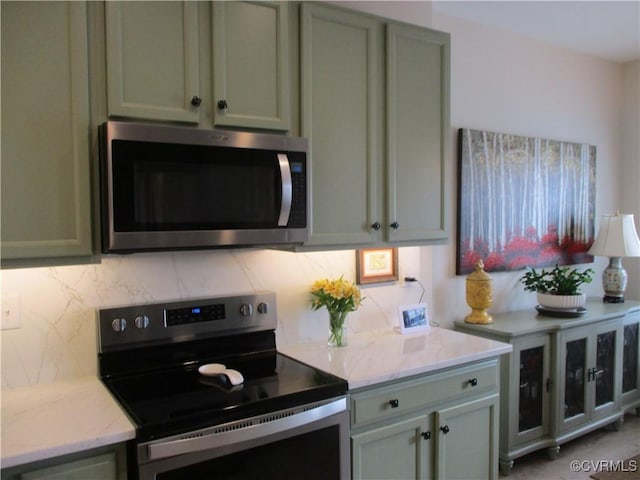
(50, 420)
(376, 357)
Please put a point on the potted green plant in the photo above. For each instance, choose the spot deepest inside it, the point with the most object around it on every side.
(559, 287)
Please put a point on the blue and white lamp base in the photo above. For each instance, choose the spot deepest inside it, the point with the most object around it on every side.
(614, 281)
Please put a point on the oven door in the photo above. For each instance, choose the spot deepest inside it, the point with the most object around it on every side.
(310, 442)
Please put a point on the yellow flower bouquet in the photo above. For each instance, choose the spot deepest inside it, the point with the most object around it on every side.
(339, 297)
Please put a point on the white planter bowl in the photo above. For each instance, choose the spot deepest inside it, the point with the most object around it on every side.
(562, 302)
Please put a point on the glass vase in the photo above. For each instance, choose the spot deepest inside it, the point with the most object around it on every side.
(337, 329)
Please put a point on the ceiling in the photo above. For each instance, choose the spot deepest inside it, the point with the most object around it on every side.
(606, 29)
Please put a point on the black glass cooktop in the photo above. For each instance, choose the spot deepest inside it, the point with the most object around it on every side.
(174, 400)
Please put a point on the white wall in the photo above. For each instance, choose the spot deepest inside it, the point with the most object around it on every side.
(630, 166)
(500, 82)
(507, 83)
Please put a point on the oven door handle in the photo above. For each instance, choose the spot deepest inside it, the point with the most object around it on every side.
(222, 436)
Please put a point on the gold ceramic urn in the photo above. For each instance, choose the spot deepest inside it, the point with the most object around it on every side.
(479, 295)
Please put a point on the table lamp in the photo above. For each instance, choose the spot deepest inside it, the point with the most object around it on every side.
(616, 238)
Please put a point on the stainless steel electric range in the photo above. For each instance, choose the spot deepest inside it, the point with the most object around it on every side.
(211, 397)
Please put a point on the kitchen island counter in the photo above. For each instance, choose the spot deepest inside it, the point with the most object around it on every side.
(380, 356)
(50, 420)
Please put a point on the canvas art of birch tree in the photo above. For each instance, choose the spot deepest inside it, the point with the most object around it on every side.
(524, 202)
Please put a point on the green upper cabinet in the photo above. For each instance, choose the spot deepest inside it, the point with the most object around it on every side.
(375, 106)
(339, 115)
(46, 201)
(251, 64)
(152, 60)
(417, 132)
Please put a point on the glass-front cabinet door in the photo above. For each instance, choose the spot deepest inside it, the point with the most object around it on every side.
(531, 367)
(604, 373)
(574, 378)
(630, 360)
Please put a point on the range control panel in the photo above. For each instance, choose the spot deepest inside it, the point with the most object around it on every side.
(169, 322)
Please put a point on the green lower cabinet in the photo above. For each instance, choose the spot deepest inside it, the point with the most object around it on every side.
(630, 397)
(565, 377)
(399, 450)
(102, 463)
(100, 467)
(467, 440)
(440, 426)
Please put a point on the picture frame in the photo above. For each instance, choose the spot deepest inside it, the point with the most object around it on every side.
(414, 318)
(376, 265)
(523, 201)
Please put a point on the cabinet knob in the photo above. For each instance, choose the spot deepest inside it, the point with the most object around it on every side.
(196, 101)
(394, 403)
(376, 226)
(445, 429)
(473, 382)
(426, 435)
(395, 226)
(222, 104)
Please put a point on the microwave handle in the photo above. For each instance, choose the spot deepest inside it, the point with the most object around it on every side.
(287, 189)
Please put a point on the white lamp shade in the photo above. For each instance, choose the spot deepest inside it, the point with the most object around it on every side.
(617, 237)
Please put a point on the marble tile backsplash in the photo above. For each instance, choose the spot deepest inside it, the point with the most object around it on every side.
(57, 335)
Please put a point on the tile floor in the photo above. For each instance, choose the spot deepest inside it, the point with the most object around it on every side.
(604, 444)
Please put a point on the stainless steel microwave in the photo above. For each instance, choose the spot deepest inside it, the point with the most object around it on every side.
(174, 188)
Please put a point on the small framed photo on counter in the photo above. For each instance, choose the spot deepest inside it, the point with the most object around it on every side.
(376, 265)
(414, 318)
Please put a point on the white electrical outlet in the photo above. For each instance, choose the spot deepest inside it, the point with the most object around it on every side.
(10, 317)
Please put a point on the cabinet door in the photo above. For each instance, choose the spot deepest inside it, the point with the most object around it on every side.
(152, 60)
(100, 467)
(573, 397)
(531, 391)
(417, 133)
(604, 375)
(339, 112)
(589, 360)
(630, 360)
(398, 450)
(251, 64)
(467, 440)
(46, 202)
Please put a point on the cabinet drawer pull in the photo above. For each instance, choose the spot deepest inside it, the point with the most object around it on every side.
(394, 403)
(426, 435)
(376, 226)
(473, 381)
(395, 226)
(222, 104)
(445, 429)
(196, 101)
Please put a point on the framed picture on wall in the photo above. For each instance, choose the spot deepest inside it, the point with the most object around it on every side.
(523, 201)
(376, 265)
